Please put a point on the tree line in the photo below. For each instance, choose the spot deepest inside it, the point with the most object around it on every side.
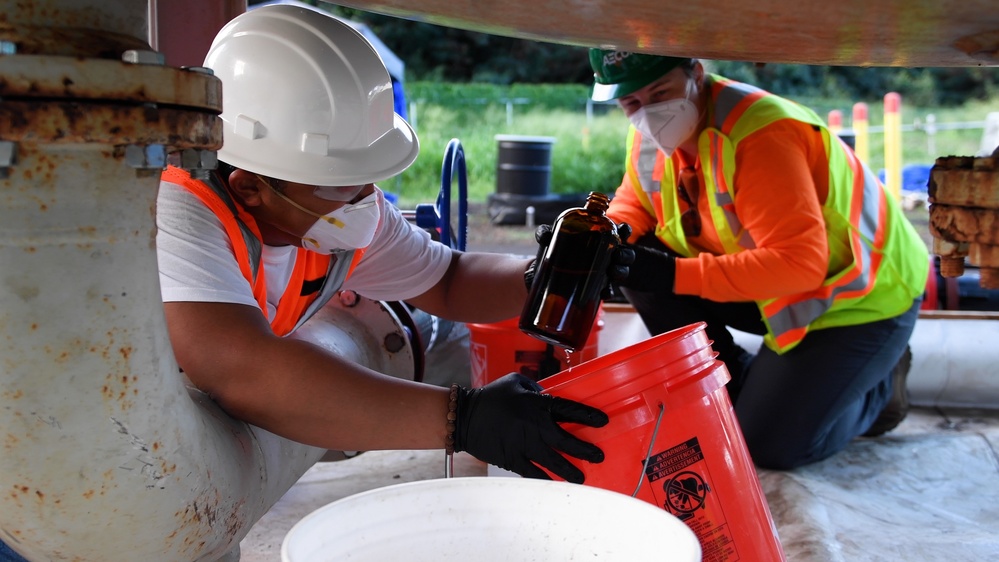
(438, 53)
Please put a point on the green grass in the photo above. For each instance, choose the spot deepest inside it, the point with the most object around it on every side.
(590, 157)
(583, 158)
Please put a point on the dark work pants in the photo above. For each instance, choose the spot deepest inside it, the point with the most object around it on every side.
(8, 555)
(802, 406)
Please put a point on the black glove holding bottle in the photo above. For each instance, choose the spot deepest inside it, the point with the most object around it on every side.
(510, 424)
(621, 260)
(645, 268)
(632, 266)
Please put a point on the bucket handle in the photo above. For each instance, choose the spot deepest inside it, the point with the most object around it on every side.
(648, 453)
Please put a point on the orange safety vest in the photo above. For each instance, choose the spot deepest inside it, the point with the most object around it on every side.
(314, 278)
(878, 263)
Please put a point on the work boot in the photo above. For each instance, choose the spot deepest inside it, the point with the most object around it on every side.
(898, 404)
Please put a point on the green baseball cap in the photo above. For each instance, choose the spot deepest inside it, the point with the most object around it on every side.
(619, 73)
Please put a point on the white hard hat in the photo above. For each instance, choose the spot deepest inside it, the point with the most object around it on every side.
(307, 99)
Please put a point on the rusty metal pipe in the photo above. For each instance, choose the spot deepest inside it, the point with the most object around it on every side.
(964, 215)
(107, 452)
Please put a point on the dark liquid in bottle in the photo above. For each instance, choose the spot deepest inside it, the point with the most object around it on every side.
(571, 274)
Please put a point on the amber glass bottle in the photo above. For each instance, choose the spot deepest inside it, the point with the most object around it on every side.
(570, 275)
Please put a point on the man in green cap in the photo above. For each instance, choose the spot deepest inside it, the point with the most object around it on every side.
(747, 213)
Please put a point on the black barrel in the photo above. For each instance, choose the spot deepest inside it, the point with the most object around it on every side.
(524, 164)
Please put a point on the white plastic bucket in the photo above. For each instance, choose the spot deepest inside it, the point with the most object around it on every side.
(487, 520)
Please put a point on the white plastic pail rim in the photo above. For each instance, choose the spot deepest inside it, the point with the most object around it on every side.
(489, 519)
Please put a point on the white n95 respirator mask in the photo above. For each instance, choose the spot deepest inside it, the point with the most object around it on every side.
(667, 123)
(349, 227)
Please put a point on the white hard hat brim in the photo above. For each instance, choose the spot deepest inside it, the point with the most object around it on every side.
(387, 157)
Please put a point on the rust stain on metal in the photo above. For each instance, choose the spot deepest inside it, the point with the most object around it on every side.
(965, 224)
(95, 80)
(17, 492)
(118, 388)
(964, 215)
(112, 124)
(203, 517)
(20, 491)
(965, 181)
(69, 41)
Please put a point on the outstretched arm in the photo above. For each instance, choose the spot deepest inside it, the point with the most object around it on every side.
(296, 389)
(478, 287)
(302, 392)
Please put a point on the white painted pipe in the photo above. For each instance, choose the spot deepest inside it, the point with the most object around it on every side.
(105, 452)
(107, 455)
(955, 362)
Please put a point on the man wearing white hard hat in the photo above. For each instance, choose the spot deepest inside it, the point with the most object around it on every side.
(293, 217)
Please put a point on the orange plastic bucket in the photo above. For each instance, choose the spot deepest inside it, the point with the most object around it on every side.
(501, 348)
(673, 440)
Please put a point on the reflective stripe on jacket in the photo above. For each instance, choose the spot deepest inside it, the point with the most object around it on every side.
(315, 277)
(877, 262)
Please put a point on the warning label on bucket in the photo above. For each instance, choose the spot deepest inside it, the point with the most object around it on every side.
(681, 484)
(480, 364)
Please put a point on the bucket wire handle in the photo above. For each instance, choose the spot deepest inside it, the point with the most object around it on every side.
(648, 453)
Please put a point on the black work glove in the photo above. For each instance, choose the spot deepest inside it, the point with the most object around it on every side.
(643, 268)
(616, 270)
(510, 424)
(543, 236)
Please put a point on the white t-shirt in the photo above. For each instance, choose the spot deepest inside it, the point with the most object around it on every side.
(197, 264)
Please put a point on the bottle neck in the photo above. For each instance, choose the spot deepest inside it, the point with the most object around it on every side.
(596, 202)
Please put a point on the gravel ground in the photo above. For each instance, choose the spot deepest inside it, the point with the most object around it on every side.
(484, 236)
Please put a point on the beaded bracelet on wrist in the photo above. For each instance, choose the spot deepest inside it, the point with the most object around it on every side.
(452, 417)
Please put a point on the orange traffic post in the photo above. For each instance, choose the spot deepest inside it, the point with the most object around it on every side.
(860, 134)
(893, 144)
(835, 121)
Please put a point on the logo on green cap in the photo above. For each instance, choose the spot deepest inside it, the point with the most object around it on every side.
(619, 73)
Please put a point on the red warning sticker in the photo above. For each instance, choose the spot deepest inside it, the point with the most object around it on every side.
(480, 363)
(681, 484)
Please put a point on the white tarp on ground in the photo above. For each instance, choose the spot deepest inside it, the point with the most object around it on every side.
(927, 492)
